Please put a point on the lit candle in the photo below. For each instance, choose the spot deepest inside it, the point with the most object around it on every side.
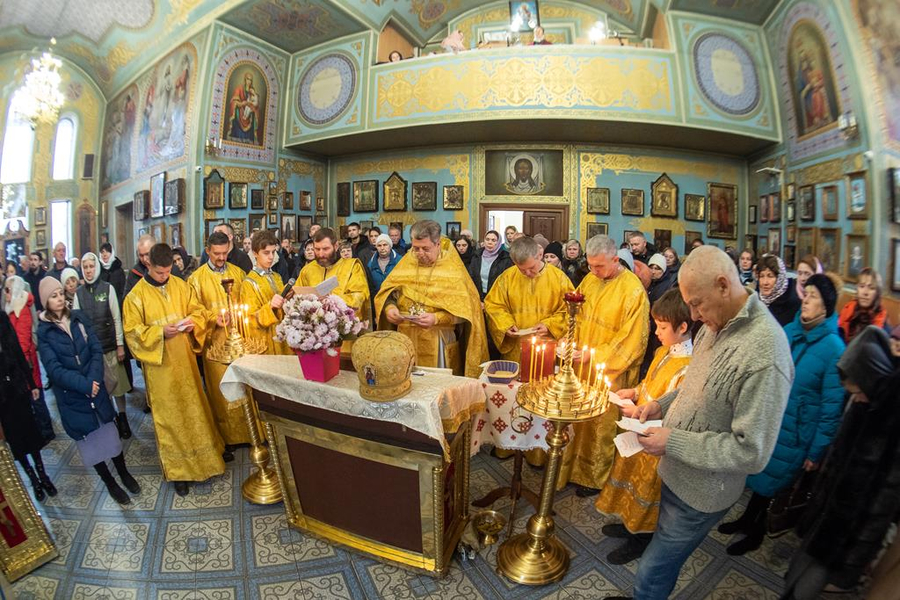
(531, 359)
(597, 378)
(543, 355)
(590, 367)
(583, 361)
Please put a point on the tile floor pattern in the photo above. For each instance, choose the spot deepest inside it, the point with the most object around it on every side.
(212, 545)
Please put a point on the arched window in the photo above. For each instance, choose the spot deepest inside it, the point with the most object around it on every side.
(18, 146)
(64, 149)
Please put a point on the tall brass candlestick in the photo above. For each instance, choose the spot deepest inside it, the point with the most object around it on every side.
(537, 557)
(262, 486)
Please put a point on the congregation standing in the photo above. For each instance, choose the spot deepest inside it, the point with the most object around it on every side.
(760, 378)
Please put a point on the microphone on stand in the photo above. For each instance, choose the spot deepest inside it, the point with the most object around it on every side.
(288, 290)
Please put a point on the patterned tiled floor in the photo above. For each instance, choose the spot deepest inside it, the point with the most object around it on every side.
(212, 545)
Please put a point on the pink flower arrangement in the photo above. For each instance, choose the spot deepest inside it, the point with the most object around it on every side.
(312, 323)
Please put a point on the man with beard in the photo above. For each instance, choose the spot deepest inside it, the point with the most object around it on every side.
(352, 285)
(33, 276)
(431, 299)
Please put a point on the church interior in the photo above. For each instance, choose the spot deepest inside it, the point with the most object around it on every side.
(770, 125)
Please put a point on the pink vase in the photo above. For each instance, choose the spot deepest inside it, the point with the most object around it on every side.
(319, 365)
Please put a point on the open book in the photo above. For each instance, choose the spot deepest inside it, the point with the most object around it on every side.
(323, 289)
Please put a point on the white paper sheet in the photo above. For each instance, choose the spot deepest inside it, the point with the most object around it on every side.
(627, 444)
(623, 402)
(636, 426)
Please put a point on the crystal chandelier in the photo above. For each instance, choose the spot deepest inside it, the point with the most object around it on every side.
(39, 99)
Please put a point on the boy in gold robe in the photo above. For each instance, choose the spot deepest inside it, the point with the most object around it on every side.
(207, 283)
(615, 321)
(165, 326)
(352, 285)
(633, 489)
(430, 298)
(528, 295)
(261, 292)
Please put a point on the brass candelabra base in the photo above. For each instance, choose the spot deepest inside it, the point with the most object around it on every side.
(536, 557)
(262, 486)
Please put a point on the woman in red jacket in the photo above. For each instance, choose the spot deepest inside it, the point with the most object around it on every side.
(866, 308)
(19, 305)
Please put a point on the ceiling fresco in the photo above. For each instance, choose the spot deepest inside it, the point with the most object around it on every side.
(114, 40)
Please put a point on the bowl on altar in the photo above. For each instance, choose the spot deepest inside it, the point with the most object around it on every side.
(488, 524)
(501, 371)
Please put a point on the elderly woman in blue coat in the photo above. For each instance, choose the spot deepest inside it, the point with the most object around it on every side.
(73, 359)
(813, 412)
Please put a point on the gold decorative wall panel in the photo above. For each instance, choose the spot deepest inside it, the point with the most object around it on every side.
(573, 83)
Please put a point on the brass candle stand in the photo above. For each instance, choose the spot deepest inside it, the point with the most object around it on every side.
(261, 487)
(537, 557)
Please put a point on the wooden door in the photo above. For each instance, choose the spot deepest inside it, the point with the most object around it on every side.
(125, 235)
(550, 221)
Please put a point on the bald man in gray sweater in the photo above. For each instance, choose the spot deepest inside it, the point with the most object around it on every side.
(722, 423)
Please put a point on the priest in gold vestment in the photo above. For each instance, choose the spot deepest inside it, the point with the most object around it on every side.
(615, 321)
(352, 285)
(261, 292)
(430, 298)
(529, 294)
(207, 283)
(165, 327)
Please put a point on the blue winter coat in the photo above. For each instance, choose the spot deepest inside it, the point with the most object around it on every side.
(72, 365)
(376, 275)
(814, 408)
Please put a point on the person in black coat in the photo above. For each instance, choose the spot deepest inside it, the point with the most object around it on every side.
(857, 496)
(112, 272)
(777, 290)
(19, 427)
(73, 359)
(483, 275)
(465, 250)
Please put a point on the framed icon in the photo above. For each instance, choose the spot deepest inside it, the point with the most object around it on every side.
(828, 248)
(287, 200)
(213, 191)
(807, 204)
(158, 231)
(775, 207)
(272, 203)
(273, 188)
(664, 197)
(303, 224)
(694, 207)
(791, 191)
(272, 218)
(424, 195)
(790, 234)
(721, 211)
(597, 229)
(175, 235)
(237, 196)
(304, 200)
(395, 188)
(633, 202)
(662, 238)
(454, 197)
(240, 229)
(365, 196)
(857, 257)
(320, 205)
(141, 204)
(40, 216)
(289, 227)
(597, 201)
(788, 255)
(343, 199)
(790, 211)
(257, 222)
(751, 214)
(40, 237)
(858, 197)
(829, 203)
(174, 196)
(806, 241)
(764, 208)
(453, 229)
(157, 195)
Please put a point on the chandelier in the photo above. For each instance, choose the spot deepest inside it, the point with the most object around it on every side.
(39, 99)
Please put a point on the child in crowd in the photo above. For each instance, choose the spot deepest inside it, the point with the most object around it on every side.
(633, 489)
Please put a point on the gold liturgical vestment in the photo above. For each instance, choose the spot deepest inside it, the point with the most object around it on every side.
(208, 285)
(445, 290)
(615, 320)
(257, 291)
(633, 488)
(190, 447)
(352, 287)
(524, 302)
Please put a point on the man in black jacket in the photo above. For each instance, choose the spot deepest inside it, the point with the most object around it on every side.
(236, 256)
(33, 276)
(641, 249)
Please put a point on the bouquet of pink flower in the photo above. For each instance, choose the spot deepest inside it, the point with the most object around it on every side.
(312, 323)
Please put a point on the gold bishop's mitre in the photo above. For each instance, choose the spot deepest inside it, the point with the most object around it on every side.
(384, 361)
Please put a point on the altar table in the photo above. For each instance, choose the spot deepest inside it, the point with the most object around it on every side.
(389, 479)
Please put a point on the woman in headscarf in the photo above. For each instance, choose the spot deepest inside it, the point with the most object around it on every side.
(574, 262)
(111, 271)
(19, 305)
(73, 360)
(16, 416)
(776, 290)
(69, 280)
(866, 308)
(807, 266)
(488, 263)
(857, 497)
(99, 301)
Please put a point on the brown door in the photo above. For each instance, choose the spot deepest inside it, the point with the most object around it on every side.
(125, 235)
(550, 221)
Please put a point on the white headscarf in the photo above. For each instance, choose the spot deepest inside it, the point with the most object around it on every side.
(18, 297)
(96, 259)
(67, 274)
(106, 264)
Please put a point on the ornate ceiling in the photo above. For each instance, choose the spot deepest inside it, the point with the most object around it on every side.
(113, 40)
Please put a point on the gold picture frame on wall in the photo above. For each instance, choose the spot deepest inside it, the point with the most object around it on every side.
(454, 197)
(664, 197)
(633, 202)
(597, 201)
(721, 211)
(694, 207)
(597, 229)
(395, 191)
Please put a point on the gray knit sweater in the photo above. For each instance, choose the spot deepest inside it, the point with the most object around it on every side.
(726, 415)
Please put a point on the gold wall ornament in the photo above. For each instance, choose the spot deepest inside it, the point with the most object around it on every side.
(25, 542)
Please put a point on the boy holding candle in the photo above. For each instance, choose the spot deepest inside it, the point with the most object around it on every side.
(207, 282)
(261, 294)
(633, 489)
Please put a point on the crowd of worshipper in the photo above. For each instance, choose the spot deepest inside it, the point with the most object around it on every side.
(757, 377)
